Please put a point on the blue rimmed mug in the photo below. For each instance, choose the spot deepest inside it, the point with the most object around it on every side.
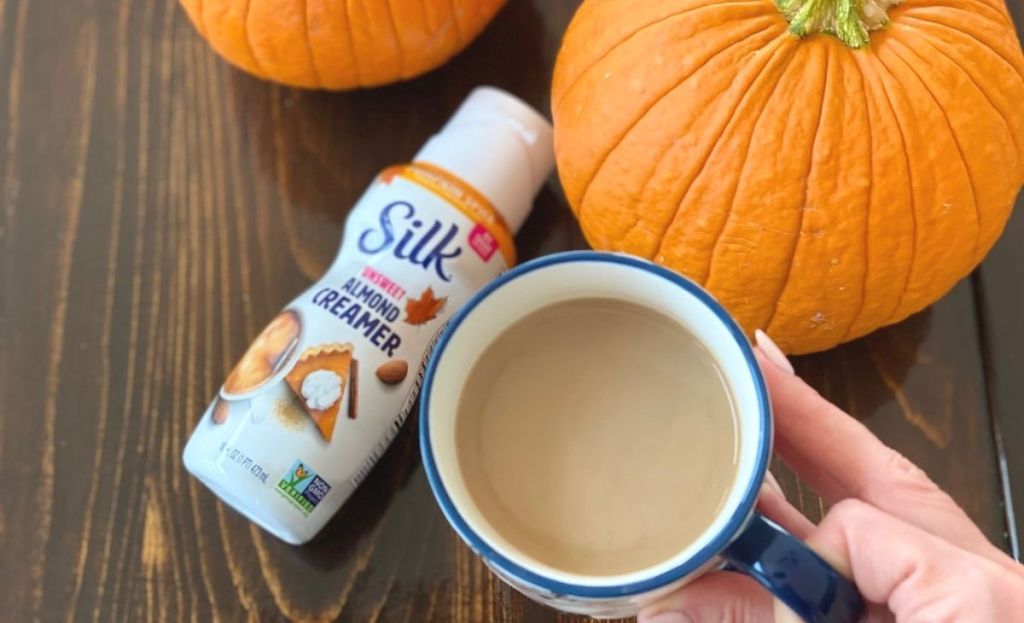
(739, 537)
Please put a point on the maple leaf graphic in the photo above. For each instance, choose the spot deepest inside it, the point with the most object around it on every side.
(424, 309)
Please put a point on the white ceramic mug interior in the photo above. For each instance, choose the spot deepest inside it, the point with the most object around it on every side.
(565, 277)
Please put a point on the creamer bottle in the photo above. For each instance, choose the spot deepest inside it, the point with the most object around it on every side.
(323, 390)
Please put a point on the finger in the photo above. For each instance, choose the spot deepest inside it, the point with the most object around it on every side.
(772, 502)
(831, 451)
(840, 458)
(722, 597)
(917, 575)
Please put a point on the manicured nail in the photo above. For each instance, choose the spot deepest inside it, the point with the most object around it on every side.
(772, 351)
(666, 617)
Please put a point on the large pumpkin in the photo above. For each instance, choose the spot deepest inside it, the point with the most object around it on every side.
(339, 44)
(819, 185)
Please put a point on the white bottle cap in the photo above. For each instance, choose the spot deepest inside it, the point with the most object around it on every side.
(500, 146)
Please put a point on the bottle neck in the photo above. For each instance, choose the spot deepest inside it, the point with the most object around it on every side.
(501, 172)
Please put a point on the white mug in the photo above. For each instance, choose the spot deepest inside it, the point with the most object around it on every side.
(739, 537)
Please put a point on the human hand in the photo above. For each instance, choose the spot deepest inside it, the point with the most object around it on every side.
(911, 551)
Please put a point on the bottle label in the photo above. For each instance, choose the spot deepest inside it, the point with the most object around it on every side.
(321, 392)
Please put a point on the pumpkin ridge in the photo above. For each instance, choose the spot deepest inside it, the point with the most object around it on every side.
(668, 146)
(971, 36)
(956, 141)
(867, 210)
(924, 15)
(803, 208)
(352, 43)
(913, 203)
(428, 24)
(455, 21)
(780, 41)
(398, 40)
(309, 45)
(985, 11)
(579, 76)
(665, 226)
(248, 39)
(941, 51)
(435, 36)
(879, 88)
(739, 97)
(995, 4)
(742, 167)
(1000, 8)
(640, 117)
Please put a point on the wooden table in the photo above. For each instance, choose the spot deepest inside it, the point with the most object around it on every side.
(158, 207)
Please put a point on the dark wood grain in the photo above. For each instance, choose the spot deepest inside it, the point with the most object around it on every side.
(159, 207)
(1000, 297)
(1001, 308)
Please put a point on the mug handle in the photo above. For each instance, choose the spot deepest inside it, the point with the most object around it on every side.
(794, 573)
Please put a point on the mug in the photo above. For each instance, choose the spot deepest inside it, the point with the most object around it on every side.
(739, 538)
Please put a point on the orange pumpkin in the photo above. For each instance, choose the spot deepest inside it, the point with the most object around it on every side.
(819, 185)
(339, 44)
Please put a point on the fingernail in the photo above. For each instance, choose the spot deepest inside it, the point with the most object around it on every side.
(773, 484)
(772, 351)
(666, 617)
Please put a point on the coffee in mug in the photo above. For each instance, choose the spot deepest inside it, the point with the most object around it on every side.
(597, 436)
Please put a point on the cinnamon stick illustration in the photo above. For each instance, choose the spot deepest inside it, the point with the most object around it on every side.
(353, 388)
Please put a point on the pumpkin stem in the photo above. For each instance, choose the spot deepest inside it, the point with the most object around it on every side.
(850, 20)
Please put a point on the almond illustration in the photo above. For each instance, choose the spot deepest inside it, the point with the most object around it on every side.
(393, 372)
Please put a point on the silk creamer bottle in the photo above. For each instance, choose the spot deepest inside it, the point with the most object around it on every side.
(325, 387)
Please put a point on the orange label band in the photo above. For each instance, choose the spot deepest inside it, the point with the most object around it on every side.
(463, 197)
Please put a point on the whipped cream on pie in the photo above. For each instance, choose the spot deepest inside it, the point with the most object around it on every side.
(321, 389)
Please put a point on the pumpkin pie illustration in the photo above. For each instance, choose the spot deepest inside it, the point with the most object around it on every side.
(319, 379)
